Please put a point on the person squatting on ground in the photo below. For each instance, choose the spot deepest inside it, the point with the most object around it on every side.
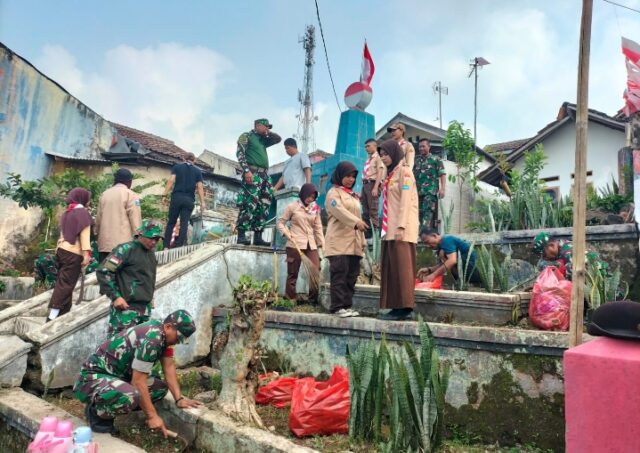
(185, 179)
(559, 254)
(447, 248)
(431, 180)
(119, 214)
(73, 251)
(254, 200)
(344, 241)
(305, 233)
(128, 277)
(397, 131)
(372, 177)
(297, 169)
(399, 234)
(117, 378)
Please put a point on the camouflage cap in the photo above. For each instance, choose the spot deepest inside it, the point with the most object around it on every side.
(183, 322)
(264, 122)
(540, 242)
(149, 229)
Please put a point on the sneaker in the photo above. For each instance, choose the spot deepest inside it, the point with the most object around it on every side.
(352, 312)
(97, 423)
(343, 313)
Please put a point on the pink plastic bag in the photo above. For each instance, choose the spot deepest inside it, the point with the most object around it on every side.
(321, 407)
(278, 392)
(551, 301)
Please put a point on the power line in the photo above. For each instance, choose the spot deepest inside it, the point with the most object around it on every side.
(622, 6)
(326, 56)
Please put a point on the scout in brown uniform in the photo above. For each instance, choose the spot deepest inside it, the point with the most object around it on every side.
(74, 250)
(372, 177)
(344, 243)
(305, 232)
(399, 234)
(397, 131)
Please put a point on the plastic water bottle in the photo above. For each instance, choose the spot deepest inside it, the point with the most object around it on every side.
(82, 440)
(62, 441)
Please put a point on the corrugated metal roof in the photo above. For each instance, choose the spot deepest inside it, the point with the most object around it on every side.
(77, 159)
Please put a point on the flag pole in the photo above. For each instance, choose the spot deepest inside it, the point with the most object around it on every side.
(580, 178)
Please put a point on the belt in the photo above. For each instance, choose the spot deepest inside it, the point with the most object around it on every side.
(253, 168)
(370, 181)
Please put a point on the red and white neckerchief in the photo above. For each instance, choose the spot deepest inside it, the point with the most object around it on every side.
(312, 209)
(349, 191)
(73, 206)
(367, 164)
(385, 203)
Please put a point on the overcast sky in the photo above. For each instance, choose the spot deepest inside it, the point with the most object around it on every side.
(199, 72)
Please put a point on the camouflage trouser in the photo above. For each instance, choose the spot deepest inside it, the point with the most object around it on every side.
(111, 395)
(120, 320)
(428, 207)
(254, 202)
(46, 269)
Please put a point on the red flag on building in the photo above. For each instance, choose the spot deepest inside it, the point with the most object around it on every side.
(631, 51)
(368, 68)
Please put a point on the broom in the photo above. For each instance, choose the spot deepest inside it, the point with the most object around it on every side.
(313, 273)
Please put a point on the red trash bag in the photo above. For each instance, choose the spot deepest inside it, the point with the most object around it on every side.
(278, 392)
(551, 301)
(435, 284)
(321, 407)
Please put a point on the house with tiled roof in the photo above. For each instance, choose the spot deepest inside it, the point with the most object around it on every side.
(605, 137)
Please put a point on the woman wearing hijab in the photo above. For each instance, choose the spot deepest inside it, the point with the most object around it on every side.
(344, 244)
(74, 250)
(305, 233)
(399, 234)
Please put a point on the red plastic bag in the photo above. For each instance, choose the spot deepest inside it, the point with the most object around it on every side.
(278, 392)
(321, 407)
(551, 301)
(435, 284)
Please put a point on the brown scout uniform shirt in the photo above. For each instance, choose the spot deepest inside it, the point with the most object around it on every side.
(343, 212)
(118, 217)
(409, 153)
(402, 205)
(376, 169)
(305, 229)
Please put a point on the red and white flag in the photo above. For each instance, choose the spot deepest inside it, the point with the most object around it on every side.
(368, 68)
(631, 51)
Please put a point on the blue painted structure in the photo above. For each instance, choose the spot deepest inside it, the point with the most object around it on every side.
(38, 116)
(356, 126)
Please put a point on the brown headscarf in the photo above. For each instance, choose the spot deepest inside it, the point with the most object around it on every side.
(344, 168)
(307, 190)
(394, 151)
(75, 218)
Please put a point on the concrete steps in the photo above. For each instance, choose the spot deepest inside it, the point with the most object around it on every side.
(13, 360)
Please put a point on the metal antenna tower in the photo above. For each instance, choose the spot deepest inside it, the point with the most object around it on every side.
(438, 88)
(306, 118)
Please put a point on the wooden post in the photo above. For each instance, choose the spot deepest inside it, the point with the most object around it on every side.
(580, 179)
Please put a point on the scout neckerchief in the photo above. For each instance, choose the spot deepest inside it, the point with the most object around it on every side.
(312, 209)
(385, 203)
(349, 191)
(367, 164)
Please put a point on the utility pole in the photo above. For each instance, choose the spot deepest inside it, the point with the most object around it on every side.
(438, 88)
(306, 117)
(477, 61)
(580, 179)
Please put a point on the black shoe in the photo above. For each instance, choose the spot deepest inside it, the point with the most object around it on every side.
(396, 314)
(257, 240)
(97, 423)
(242, 238)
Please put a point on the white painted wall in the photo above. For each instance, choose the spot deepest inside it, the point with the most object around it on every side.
(602, 155)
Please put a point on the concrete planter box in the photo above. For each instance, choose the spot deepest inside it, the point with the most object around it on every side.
(441, 304)
(17, 288)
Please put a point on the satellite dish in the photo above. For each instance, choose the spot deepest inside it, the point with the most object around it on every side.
(358, 96)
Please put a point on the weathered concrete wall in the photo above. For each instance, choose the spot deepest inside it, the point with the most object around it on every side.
(506, 384)
(17, 288)
(37, 116)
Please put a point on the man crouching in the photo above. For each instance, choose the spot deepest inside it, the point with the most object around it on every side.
(116, 379)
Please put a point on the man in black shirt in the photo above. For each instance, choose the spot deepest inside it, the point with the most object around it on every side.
(185, 179)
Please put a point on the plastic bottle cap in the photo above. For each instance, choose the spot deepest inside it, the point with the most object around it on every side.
(49, 424)
(64, 428)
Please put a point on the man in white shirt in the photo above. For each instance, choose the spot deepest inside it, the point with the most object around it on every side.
(297, 169)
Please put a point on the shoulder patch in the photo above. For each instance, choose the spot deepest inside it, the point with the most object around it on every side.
(136, 202)
(243, 139)
(334, 203)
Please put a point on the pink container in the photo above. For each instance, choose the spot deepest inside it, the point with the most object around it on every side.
(64, 429)
(44, 435)
(602, 402)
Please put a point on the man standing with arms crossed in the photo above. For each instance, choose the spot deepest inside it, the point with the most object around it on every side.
(119, 214)
(297, 169)
(372, 176)
(255, 198)
(397, 131)
(431, 180)
(185, 179)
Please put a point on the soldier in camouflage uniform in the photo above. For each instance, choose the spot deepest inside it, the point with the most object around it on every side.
(559, 254)
(255, 198)
(116, 378)
(430, 180)
(128, 277)
(46, 266)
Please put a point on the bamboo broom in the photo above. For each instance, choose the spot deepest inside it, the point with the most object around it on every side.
(313, 273)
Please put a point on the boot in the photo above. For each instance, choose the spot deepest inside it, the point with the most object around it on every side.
(97, 423)
(257, 240)
(242, 238)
